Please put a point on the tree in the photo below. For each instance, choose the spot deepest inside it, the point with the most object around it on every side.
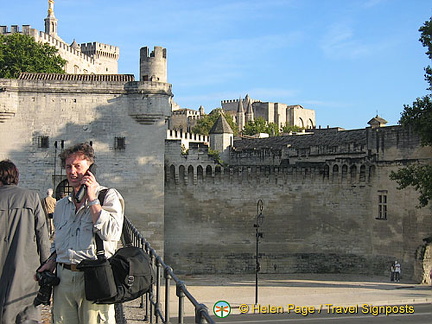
(260, 125)
(21, 53)
(205, 124)
(418, 117)
(291, 128)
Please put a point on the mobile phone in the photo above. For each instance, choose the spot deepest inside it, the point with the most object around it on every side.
(82, 190)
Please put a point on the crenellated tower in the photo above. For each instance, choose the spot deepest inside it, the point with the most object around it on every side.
(153, 66)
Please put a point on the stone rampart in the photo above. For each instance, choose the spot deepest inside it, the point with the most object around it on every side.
(323, 212)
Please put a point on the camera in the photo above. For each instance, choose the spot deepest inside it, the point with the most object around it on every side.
(47, 280)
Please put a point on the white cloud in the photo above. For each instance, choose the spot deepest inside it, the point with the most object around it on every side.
(340, 43)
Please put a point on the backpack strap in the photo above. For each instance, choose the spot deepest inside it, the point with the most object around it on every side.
(102, 195)
(100, 251)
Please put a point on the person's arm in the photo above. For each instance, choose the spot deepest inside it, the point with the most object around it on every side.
(92, 185)
(49, 264)
(109, 224)
(41, 231)
(107, 221)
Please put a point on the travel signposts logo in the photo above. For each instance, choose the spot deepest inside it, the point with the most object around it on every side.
(221, 309)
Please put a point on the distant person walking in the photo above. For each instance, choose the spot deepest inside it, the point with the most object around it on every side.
(392, 272)
(397, 270)
(24, 245)
(48, 205)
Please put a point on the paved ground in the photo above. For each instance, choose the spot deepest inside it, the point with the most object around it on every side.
(288, 289)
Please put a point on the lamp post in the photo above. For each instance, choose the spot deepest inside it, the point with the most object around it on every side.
(258, 222)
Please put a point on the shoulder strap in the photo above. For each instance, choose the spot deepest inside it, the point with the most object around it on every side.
(102, 195)
(100, 251)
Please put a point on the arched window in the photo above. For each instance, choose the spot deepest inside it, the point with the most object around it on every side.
(362, 173)
(344, 171)
(326, 172)
(190, 174)
(63, 189)
(301, 122)
(172, 173)
(218, 170)
(200, 173)
(182, 173)
(209, 171)
(353, 172)
(336, 169)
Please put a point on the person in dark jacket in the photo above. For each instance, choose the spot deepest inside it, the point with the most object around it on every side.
(24, 246)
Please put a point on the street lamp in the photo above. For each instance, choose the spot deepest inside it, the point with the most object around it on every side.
(258, 222)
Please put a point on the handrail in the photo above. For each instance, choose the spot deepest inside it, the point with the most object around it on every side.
(152, 299)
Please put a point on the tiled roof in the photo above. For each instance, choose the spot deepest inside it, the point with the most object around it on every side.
(76, 77)
(377, 120)
(319, 138)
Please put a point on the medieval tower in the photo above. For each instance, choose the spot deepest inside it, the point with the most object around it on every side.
(153, 66)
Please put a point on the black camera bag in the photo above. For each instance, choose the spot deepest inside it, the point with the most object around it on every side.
(98, 279)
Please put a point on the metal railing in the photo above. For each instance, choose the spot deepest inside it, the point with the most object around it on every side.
(154, 308)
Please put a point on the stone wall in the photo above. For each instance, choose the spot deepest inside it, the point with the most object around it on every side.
(318, 217)
(76, 109)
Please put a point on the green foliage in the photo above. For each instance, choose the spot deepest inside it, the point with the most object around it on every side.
(426, 40)
(215, 155)
(273, 129)
(205, 124)
(291, 128)
(418, 117)
(260, 125)
(418, 176)
(184, 150)
(426, 36)
(21, 53)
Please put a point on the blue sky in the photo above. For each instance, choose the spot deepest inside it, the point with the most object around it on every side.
(346, 59)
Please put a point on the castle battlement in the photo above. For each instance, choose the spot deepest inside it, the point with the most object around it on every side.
(200, 171)
(186, 140)
(236, 101)
(96, 48)
(45, 38)
(173, 134)
(153, 65)
(81, 59)
(347, 156)
(158, 52)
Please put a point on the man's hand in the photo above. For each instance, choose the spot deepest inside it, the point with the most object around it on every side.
(49, 265)
(90, 181)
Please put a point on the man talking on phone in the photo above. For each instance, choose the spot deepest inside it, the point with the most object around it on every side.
(77, 219)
